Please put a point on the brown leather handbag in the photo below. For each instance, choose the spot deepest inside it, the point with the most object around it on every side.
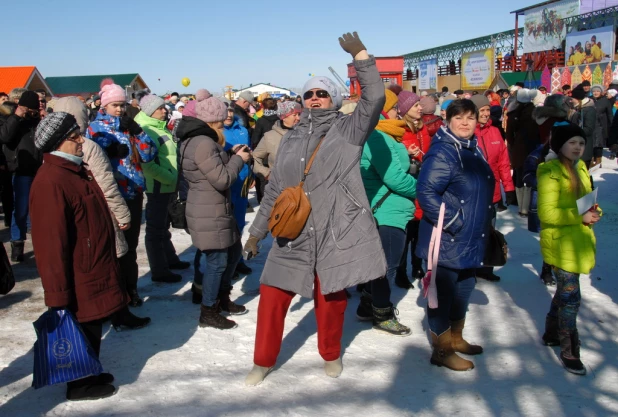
(291, 209)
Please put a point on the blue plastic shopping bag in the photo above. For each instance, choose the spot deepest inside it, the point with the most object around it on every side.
(61, 353)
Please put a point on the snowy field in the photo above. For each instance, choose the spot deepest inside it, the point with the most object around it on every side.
(175, 368)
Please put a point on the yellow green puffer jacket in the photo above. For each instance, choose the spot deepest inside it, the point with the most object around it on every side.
(565, 241)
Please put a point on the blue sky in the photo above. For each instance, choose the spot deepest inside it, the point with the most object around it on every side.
(238, 42)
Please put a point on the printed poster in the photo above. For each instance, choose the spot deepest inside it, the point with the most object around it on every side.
(590, 46)
(428, 74)
(544, 28)
(477, 69)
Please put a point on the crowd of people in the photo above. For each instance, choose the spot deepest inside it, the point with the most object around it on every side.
(391, 177)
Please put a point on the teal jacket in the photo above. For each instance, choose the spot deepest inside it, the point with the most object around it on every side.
(162, 172)
(384, 166)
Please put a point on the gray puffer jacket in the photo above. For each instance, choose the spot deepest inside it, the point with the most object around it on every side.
(340, 242)
(210, 172)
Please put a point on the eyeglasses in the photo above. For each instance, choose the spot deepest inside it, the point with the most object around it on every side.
(320, 93)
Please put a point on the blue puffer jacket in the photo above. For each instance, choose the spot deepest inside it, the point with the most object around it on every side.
(235, 134)
(455, 172)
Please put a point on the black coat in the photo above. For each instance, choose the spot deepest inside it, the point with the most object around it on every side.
(17, 136)
(263, 125)
(522, 134)
(605, 115)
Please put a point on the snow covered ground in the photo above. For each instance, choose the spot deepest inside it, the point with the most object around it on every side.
(175, 368)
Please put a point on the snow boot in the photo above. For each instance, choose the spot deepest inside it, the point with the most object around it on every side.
(168, 278)
(546, 275)
(364, 312)
(180, 265)
(333, 368)
(210, 317)
(257, 375)
(402, 281)
(17, 251)
(196, 294)
(135, 300)
(228, 306)
(488, 276)
(444, 354)
(385, 319)
(501, 207)
(243, 269)
(569, 352)
(124, 319)
(550, 337)
(458, 342)
(79, 391)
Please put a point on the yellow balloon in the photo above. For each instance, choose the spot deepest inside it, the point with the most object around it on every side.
(185, 81)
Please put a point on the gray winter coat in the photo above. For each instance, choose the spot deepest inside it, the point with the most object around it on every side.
(210, 173)
(340, 242)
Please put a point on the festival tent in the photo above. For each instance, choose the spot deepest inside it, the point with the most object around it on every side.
(503, 80)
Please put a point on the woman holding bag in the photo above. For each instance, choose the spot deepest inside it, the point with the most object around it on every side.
(339, 245)
(455, 173)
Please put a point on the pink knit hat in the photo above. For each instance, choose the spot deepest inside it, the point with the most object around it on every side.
(190, 109)
(407, 99)
(111, 93)
(208, 108)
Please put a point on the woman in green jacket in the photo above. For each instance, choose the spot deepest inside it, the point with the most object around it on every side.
(391, 189)
(161, 176)
(567, 239)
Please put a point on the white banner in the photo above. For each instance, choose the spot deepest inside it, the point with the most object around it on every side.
(428, 74)
(544, 28)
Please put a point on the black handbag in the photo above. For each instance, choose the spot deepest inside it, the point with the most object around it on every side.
(177, 215)
(497, 249)
(7, 279)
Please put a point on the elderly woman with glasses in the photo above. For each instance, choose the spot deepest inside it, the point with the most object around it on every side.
(339, 245)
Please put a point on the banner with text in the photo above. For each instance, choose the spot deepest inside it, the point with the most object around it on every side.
(428, 74)
(477, 69)
(590, 46)
(544, 27)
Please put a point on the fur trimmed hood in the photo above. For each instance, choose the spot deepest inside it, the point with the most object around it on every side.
(558, 110)
(7, 108)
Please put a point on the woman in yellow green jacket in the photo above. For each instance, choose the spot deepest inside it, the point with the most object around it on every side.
(567, 239)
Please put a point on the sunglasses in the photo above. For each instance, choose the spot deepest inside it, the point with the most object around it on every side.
(320, 93)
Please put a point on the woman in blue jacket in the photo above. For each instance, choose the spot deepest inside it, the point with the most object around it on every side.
(456, 173)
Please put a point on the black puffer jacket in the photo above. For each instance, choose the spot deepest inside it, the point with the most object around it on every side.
(17, 136)
(605, 115)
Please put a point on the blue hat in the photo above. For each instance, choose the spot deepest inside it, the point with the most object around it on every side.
(445, 104)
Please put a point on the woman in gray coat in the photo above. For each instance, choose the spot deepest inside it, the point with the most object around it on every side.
(210, 172)
(339, 246)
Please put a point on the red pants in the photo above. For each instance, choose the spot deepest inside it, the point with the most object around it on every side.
(274, 304)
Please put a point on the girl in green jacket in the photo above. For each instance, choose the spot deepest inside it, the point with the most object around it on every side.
(567, 239)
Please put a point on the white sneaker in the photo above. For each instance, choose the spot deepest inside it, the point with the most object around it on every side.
(333, 368)
(257, 375)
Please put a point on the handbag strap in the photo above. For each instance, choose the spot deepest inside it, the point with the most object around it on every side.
(311, 160)
(434, 244)
(380, 202)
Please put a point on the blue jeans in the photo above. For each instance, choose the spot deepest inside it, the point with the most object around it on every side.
(21, 218)
(454, 289)
(393, 242)
(566, 301)
(220, 267)
(158, 240)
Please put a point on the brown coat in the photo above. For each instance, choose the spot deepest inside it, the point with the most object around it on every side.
(266, 151)
(73, 238)
(210, 172)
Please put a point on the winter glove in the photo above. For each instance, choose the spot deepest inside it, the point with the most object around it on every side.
(251, 247)
(128, 124)
(511, 198)
(117, 150)
(351, 43)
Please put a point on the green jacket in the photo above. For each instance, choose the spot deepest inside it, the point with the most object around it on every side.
(161, 173)
(384, 166)
(565, 241)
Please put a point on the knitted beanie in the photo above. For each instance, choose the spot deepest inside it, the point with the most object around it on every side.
(53, 129)
(445, 104)
(190, 109)
(391, 100)
(111, 93)
(428, 104)
(150, 103)
(324, 83)
(407, 99)
(29, 99)
(578, 93)
(395, 88)
(480, 101)
(597, 87)
(287, 108)
(562, 132)
(209, 109)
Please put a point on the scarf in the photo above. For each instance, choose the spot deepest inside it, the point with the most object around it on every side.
(77, 160)
(394, 128)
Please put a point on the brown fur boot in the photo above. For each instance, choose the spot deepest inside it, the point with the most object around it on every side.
(444, 354)
(458, 342)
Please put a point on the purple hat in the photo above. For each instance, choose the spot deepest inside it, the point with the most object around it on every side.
(407, 99)
(190, 109)
(208, 108)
